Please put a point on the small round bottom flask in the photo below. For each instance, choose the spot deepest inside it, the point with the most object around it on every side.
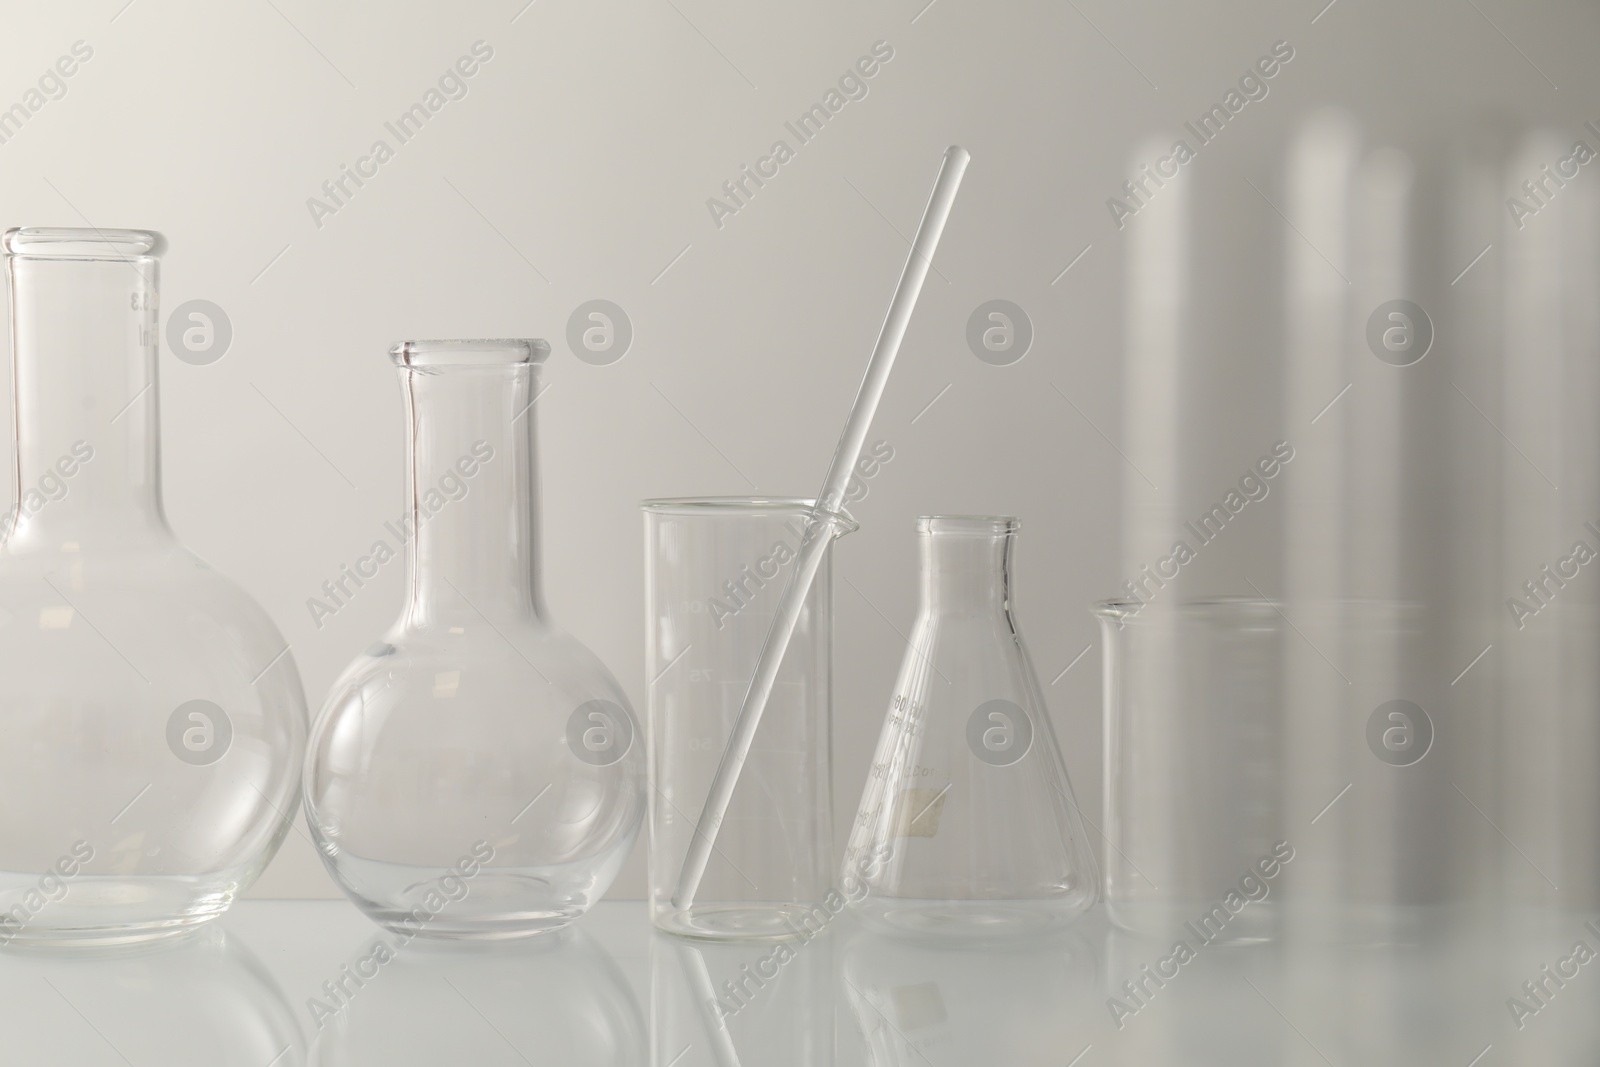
(476, 773)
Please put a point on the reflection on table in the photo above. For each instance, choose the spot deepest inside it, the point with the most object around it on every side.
(319, 985)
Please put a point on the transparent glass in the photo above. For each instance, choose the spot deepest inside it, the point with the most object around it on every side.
(153, 718)
(968, 826)
(1194, 792)
(714, 571)
(475, 773)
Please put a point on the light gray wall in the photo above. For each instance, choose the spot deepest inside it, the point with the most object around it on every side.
(578, 167)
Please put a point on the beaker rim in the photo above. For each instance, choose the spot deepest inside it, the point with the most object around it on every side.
(1365, 609)
(1124, 608)
(470, 352)
(78, 242)
(735, 505)
(986, 525)
(696, 504)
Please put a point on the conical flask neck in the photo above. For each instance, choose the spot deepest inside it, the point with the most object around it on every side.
(966, 564)
(84, 334)
(471, 518)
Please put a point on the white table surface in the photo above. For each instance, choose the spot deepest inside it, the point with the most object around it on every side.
(614, 992)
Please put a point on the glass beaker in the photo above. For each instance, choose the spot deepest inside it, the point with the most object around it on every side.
(153, 717)
(968, 826)
(714, 570)
(1194, 733)
(476, 772)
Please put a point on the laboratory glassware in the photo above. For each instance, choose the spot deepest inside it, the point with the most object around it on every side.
(1193, 734)
(714, 571)
(840, 470)
(153, 718)
(968, 827)
(476, 773)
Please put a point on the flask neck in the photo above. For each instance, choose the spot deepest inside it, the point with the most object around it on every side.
(966, 564)
(83, 343)
(471, 495)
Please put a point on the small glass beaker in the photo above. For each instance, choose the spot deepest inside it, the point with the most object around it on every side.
(715, 568)
(1194, 737)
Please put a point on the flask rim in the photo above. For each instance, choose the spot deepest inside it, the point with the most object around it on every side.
(82, 243)
(970, 525)
(471, 352)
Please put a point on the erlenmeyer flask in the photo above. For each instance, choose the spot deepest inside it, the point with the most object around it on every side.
(153, 720)
(476, 773)
(968, 826)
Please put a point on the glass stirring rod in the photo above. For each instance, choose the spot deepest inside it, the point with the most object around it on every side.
(824, 523)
